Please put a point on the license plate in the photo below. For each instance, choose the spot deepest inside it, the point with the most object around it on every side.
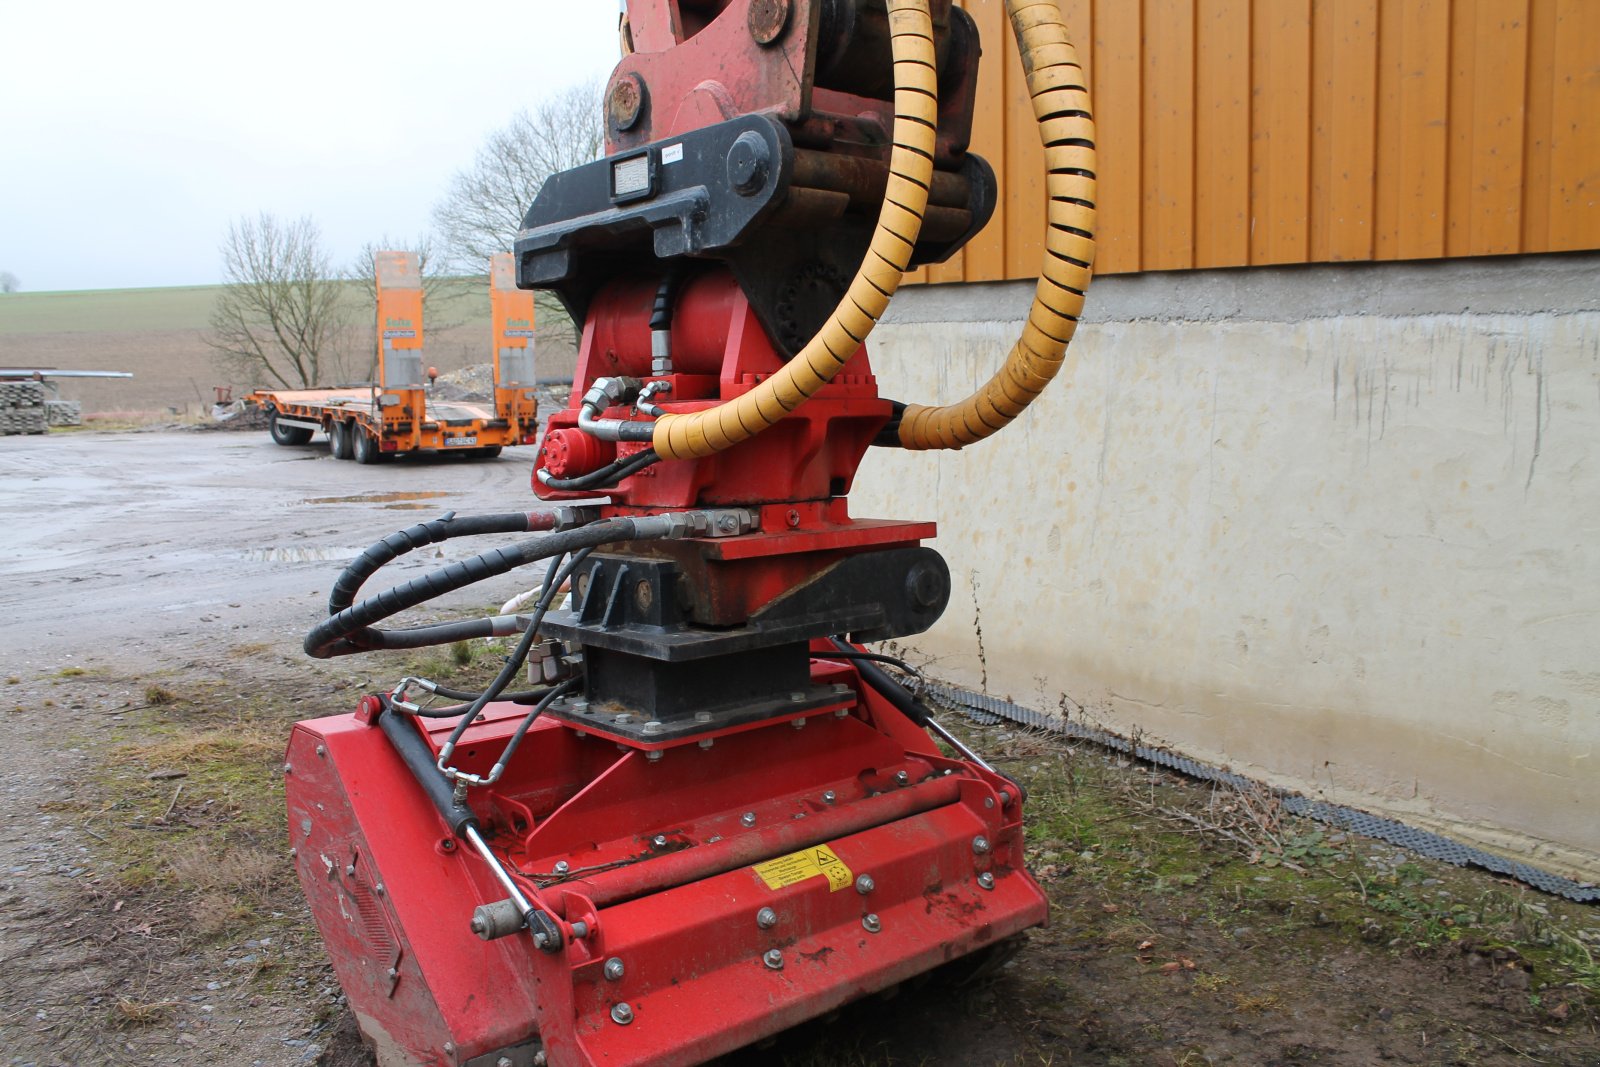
(460, 442)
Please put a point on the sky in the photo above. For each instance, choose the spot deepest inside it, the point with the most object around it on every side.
(131, 135)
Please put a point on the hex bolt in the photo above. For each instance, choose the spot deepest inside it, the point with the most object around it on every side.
(623, 719)
(829, 797)
(562, 867)
(870, 923)
(748, 819)
(504, 1061)
(902, 778)
(865, 884)
(653, 757)
(614, 969)
(980, 844)
(708, 742)
(985, 880)
(288, 768)
(773, 959)
(766, 918)
(621, 1014)
(540, 1059)
(378, 889)
(653, 727)
(988, 802)
(1005, 798)
(798, 724)
(392, 972)
(350, 870)
(796, 697)
(322, 750)
(449, 1048)
(702, 716)
(659, 841)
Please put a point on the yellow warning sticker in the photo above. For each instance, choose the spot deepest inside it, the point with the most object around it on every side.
(807, 863)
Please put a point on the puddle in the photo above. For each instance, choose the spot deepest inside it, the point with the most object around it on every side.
(378, 498)
(409, 507)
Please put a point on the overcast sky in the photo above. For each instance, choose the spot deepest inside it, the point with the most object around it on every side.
(132, 134)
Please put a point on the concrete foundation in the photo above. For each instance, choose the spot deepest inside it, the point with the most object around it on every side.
(1335, 527)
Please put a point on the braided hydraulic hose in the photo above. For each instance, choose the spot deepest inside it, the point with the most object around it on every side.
(1061, 105)
(702, 433)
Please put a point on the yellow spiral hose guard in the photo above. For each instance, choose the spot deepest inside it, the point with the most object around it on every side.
(1061, 105)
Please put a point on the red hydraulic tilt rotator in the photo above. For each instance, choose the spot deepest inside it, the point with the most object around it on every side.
(691, 811)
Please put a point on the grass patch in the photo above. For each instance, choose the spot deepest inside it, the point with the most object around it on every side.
(159, 696)
(190, 809)
(1127, 836)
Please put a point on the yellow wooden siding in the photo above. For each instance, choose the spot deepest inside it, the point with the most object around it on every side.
(1237, 132)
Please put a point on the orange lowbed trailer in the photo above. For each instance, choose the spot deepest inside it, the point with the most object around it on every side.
(370, 423)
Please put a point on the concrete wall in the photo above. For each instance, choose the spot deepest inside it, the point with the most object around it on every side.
(1337, 528)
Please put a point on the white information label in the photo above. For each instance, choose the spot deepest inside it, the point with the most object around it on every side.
(673, 153)
(631, 176)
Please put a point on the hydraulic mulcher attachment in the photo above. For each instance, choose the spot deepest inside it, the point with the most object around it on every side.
(710, 890)
(711, 816)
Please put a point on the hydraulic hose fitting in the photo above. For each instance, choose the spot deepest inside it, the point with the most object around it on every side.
(660, 352)
(601, 395)
(643, 404)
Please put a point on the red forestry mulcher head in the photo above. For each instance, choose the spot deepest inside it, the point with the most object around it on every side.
(707, 814)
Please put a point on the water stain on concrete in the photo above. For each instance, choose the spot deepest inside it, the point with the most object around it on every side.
(376, 498)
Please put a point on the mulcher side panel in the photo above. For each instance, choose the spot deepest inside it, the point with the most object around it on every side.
(353, 804)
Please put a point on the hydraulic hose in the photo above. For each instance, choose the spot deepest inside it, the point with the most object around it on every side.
(1066, 126)
(702, 433)
(351, 629)
(381, 553)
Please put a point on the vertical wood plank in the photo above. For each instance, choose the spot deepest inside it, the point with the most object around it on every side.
(1575, 128)
(1117, 96)
(1344, 113)
(1167, 234)
(1025, 182)
(1280, 130)
(1536, 135)
(1413, 116)
(1488, 83)
(1462, 128)
(992, 110)
(1079, 17)
(1222, 133)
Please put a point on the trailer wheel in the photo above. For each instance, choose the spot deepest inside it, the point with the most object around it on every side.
(366, 448)
(339, 442)
(486, 452)
(286, 435)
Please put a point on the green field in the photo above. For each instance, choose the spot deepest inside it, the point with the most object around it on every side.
(159, 336)
(107, 310)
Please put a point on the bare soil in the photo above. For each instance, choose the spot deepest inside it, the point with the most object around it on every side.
(157, 586)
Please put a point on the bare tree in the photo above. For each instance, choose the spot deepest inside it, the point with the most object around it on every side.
(483, 209)
(279, 316)
(9, 282)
